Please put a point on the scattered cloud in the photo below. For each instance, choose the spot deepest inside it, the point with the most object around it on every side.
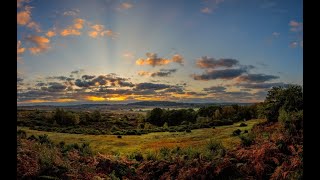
(20, 49)
(206, 10)
(210, 6)
(21, 2)
(24, 16)
(215, 89)
(99, 30)
(152, 60)
(74, 28)
(144, 86)
(275, 34)
(256, 78)
(219, 74)
(206, 62)
(177, 58)
(50, 33)
(261, 85)
(125, 5)
(41, 44)
(294, 44)
(161, 73)
(295, 26)
(73, 12)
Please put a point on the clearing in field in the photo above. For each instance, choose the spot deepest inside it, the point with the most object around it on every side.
(153, 141)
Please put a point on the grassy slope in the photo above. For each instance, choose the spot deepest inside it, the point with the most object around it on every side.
(144, 143)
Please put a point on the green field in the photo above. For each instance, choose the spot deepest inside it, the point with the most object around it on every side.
(152, 141)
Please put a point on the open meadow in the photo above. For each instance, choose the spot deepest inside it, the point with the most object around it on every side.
(198, 138)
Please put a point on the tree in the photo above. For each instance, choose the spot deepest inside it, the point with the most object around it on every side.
(288, 98)
(155, 117)
(96, 116)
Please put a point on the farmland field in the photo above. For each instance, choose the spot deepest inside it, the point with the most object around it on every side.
(152, 141)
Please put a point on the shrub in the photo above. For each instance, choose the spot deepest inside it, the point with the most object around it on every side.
(236, 132)
(243, 125)
(32, 138)
(152, 156)
(216, 147)
(188, 131)
(44, 139)
(136, 155)
(164, 153)
(247, 140)
(245, 131)
(119, 136)
(22, 134)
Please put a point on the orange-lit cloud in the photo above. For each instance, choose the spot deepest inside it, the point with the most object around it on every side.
(50, 34)
(24, 17)
(125, 5)
(206, 10)
(152, 60)
(65, 100)
(41, 44)
(20, 49)
(144, 73)
(73, 29)
(35, 26)
(295, 26)
(177, 58)
(99, 30)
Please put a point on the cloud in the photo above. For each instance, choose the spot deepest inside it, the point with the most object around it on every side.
(99, 30)
(144, 86)
(102, 80)
(206, 62)
(152, 60)
(20, 49)
(275, 34)
(86, 77)
(41, 44)
(295, 26)
(161, 73)
(35, 26)
(215, 89)
(206, 10)
(210, 5)
(24, 17)
(71, 12)
(261, 85)
(73, 29)
(21, 2)
(293, 44)
(55, 87)
(177, 58)
(125, 5)
(128, 55)
(219, 74)
(256, 78)
(50, 33)
(144, 73)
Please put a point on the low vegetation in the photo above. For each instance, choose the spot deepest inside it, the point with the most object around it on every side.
(244, 149)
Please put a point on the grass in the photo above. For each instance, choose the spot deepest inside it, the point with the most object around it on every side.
(153, 141)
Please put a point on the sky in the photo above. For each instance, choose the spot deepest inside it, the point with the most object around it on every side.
(107, 51)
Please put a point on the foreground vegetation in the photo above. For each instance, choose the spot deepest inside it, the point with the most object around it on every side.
(272, 149)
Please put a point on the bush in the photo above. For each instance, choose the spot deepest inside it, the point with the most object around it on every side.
(136, 155)
(236, 132)
(243, 125)
(164, 153)
(247, 140)
(245, 131)
(188, 131)
(216, 147)
(152, 156)
(119, 136)
(22, 134)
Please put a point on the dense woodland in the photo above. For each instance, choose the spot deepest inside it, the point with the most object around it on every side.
(271, 150)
